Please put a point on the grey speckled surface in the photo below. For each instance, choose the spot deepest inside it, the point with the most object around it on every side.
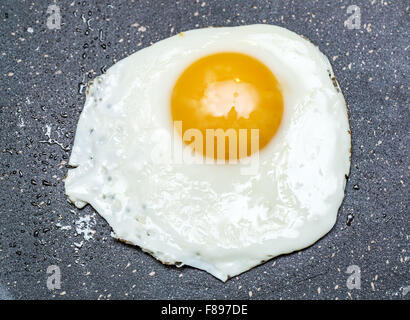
(40, 73)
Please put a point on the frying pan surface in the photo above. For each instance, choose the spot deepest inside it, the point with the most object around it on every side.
(43, 72)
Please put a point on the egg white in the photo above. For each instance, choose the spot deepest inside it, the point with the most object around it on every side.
(212, 217)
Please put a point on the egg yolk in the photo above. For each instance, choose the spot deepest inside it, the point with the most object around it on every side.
(231, 100)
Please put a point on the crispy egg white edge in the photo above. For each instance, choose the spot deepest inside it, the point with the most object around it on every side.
(190, 46)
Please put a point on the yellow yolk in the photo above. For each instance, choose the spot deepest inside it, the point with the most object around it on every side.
(232, 92)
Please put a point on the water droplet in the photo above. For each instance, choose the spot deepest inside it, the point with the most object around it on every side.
(350, 219)
(81, 87)
(46, 183)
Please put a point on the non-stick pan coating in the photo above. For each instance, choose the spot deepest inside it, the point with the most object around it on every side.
(42, 95)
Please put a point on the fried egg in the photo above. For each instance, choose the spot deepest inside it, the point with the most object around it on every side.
(217, 148)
